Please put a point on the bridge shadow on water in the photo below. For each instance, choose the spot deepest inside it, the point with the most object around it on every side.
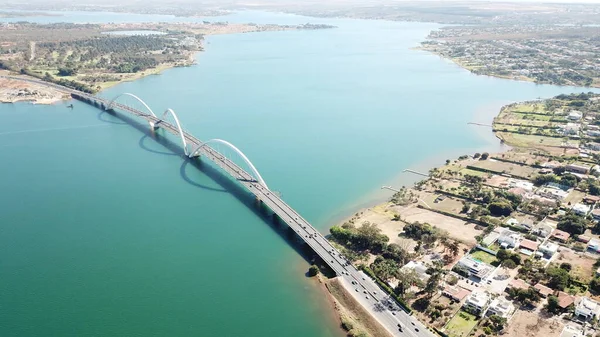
(101, 117)
(227, 184)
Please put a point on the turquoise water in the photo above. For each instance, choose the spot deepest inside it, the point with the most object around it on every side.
(106, 232)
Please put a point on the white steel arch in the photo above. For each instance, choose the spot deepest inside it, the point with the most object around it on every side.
(239, 152)
(110, 105)
(179, 128)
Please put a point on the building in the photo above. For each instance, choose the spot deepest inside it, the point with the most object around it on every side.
(561, 236)
(596, 214)
(548, 249)
(552, 192)
(543, 290)
(500, 307)
(583, 238)
(509, 239)
(594, 146)
(474, 267)
(594, 245)
(476, 303)
(542, 230)
(587, 309)
(569, 129)
(581, 209)
(516, 183)
(571, 331)
(419, 268)
(577, 168)
(455, 293)
(574, 115)
(517, 284)
(565, 300)
(527, 247)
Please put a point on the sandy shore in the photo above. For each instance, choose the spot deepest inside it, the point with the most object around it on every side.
(354, 319)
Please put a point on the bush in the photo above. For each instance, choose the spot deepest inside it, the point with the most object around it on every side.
(484, 156)
(313, 270)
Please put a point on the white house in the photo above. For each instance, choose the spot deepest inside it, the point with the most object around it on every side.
(548, 248)
(509, 238)
(552, 193)
(474, 267)
(587, 309)
(419, 268)
(574, 115)
(569, 128)
(581, 209)
(501, 307)
(477, 302)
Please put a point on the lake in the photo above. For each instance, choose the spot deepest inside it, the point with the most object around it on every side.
(104, 231)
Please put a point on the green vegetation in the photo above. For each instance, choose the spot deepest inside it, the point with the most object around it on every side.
(367, 237)
(573, 224)
(483, 256)
(461, 324)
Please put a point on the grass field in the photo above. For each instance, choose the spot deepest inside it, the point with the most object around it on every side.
(483, 256)
(461, 324)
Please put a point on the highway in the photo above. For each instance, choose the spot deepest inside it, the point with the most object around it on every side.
(363, 288)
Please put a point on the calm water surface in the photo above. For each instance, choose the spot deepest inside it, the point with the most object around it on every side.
(106, 232)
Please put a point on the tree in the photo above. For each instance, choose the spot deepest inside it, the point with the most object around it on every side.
(569, 180)
(543, 179)
(454, 247)
(500, 208)
(559, 278)
(566, 266)
(497, 323)
(313, 270)
(67, 71)
(476, 155)
(572, 223)
(510, 264)
(484, 156)
(595, 285)
(559, 170)
(552, 306)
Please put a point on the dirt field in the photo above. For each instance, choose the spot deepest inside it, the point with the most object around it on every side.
(15, 91)
(458, 229)
(533, 324)
(583, 266)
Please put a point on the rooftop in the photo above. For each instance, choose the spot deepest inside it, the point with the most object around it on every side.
(543, 290)
(528, 244)
(565, 300)
(561, 235)
(456, 293)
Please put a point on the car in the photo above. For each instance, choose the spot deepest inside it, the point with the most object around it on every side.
(400, 329)
(417, 330)
(365, 291)
(393, 313)
(356, 290)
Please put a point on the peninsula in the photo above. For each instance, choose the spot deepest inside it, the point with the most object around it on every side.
(92, 57)
(496, 244)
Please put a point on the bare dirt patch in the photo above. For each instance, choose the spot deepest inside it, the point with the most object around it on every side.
(16, 91)
(582, 265)
(532, 324)
(457, 229)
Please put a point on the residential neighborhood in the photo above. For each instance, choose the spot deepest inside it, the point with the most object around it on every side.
(497, 244)
(563, 55)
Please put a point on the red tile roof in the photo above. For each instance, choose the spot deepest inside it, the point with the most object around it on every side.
(518, 284)
(565, 300)
(543, 290)
(456, 293)
(561, 235)
(528, 244)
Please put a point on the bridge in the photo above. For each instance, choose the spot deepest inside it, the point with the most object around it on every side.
(383, 308)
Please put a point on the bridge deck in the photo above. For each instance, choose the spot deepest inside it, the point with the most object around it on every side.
(369, 294)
